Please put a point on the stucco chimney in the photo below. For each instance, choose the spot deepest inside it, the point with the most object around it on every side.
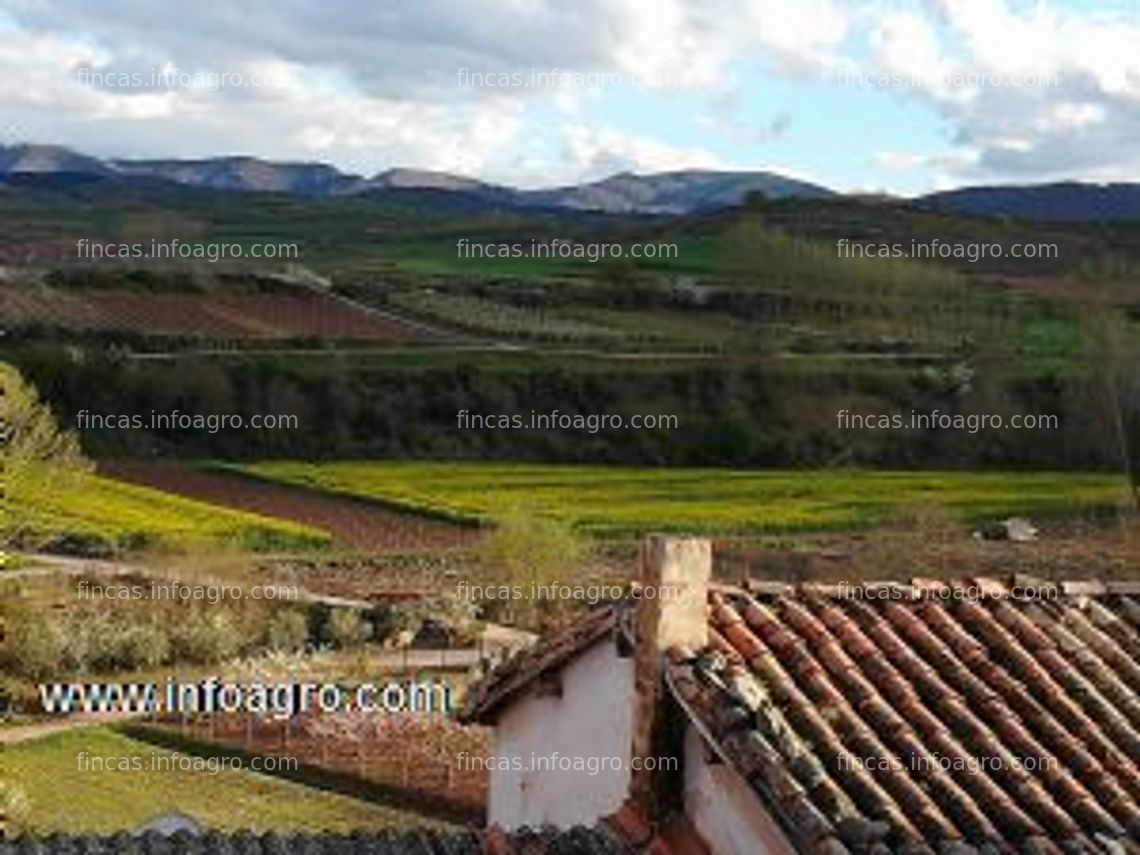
(672, 612)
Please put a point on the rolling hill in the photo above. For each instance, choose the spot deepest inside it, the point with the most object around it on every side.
(680, 192)
(675, 193)
(1063, 202)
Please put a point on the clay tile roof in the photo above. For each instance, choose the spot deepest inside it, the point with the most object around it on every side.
(510, 678)
(576, 841)
(626, 832)
(932, 716)
(899, 719)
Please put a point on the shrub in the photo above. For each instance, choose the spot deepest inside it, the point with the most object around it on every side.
(35, 645)
(81, 638)
(319, 615)
(137, 541)
(206, 638)
(128, 646)
(526, 549)
(347, 629)
(461, 617)
(81, 545)
(14, 810)
(397, 624)
(288, 630)
(37, 458)
(389, 621)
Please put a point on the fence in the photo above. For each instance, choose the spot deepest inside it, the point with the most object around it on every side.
(403, 753)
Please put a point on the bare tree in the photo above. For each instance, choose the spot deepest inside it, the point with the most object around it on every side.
(1114, 350)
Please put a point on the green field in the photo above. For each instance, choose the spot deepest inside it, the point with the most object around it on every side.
(633, 501)
(91, 508)
(484, 315)
(580, 325)
(66, 794)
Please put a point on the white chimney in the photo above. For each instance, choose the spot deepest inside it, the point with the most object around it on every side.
(672, 612)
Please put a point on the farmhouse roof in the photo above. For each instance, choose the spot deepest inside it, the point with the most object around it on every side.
(915, 717)
(626, 832)
(423, 842)
(516, 674)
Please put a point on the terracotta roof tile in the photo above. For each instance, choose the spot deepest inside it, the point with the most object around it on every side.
(991, 724)
(907, 721)
(485, 698)
(576, 841)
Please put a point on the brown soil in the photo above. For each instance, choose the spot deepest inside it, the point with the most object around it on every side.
(233, 317)
(354, 524)
(1063, 551)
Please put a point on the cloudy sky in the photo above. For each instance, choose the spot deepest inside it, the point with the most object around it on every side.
(898, 95)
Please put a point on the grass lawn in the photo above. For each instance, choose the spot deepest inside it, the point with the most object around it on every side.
(89, 506)
(101, 800)
(632, 501)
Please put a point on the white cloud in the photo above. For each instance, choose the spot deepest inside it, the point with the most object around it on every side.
(805, 35)
(597, 153)
(372, 85)
(1036, 91)
(1071, 116)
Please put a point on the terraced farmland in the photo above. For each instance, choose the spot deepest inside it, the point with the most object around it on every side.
(214, 317)
(488, 316)
(95, 510)
(353, 523)
(629, 501)
(593, 326)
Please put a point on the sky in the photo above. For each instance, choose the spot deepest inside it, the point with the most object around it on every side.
(899, 96)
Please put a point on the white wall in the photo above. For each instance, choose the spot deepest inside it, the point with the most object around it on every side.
(725, 810)
(593, 718)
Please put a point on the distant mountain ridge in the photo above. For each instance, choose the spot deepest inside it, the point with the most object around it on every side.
(678, 192)
(1069, 201)
(49, 158)
(240, 173)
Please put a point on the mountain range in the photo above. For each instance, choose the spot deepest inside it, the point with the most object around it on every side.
(666, 193)
(1059, 202)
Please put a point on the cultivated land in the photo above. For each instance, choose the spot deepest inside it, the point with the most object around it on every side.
(618, 500)
(95, 513)
(357, 525)
(234, 308)
(757, 330)
(62, 798)
(754, 335)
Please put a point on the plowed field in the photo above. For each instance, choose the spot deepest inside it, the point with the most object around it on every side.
(212, 317)
(354, 524)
